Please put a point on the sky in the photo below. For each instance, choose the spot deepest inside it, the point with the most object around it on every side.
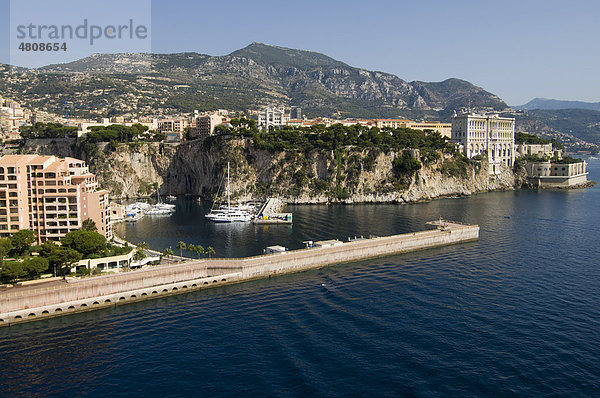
(517, 50)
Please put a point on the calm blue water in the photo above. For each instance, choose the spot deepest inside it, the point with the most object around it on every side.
(515, 314)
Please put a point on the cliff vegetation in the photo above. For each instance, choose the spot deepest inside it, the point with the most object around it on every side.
(300, 165)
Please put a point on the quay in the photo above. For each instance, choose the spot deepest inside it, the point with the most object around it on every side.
(42, 301)
(270, 213)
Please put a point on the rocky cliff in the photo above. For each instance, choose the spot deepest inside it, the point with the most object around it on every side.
(351, 176)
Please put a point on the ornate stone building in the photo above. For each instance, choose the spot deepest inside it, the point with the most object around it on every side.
(489, 135)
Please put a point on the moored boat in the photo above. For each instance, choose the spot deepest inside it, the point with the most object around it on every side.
(229, 214)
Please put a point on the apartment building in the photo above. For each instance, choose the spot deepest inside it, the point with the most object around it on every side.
(172, 124)
(51, 196)
(205, 125)
(445, 129)
(296, 112)
(12, 116)
(391, 123)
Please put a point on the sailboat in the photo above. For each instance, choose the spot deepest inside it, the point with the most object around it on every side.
(160, 208)
(228, 214)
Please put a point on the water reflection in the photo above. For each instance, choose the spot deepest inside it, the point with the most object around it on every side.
(492, 211)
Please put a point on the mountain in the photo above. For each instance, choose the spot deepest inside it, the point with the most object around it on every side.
(552, 104)
(249, 78)
(581, 123)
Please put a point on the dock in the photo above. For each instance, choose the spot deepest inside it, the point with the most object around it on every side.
(270, 213)
(48, 300)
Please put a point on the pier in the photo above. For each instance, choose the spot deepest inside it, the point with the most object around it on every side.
(36, 302)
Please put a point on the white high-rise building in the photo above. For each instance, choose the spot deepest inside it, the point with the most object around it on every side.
(491, 134)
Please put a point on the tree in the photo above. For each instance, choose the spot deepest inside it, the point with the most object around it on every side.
(405, 164)
(85, 242)
(167, 252)
(181, 246)
(89, 225)
(139, 254)
(144, 245)
(12, 270)
(199, 250)
(191, 248)
(34, 266)
(5, 248)
(21, 240)
(59, 257)
(210, 251)
(67, 257)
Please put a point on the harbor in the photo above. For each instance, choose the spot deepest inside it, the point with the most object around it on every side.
(39, 302)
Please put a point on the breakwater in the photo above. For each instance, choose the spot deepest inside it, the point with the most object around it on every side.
(40, 302)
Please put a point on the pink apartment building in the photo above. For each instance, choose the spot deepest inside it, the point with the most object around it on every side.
(51, 196)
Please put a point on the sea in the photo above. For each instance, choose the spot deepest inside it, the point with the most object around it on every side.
(515, 314)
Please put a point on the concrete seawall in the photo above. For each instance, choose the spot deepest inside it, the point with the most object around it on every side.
(39, 302)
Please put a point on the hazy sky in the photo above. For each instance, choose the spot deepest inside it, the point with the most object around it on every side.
(515, 49)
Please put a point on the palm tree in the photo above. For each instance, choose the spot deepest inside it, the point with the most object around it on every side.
(199, 250)
(167, 252)
(143, 246)
(191, 248)
(139, 254)
(181, 246)
(210, 251)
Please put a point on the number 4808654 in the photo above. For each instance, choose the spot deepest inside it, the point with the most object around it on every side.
(43, 46)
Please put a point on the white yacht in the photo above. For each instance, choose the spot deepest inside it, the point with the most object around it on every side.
(158, 211)
(137, 207)
(160, 208)
(228, 214)
(224, 216)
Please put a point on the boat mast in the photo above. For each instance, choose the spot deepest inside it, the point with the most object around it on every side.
(228, 203)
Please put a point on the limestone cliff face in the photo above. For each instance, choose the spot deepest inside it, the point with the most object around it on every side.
(350, 176)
